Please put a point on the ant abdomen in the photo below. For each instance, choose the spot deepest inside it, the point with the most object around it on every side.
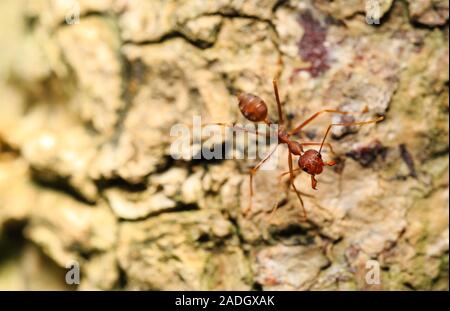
(252, 107)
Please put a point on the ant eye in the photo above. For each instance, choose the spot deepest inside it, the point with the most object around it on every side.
(305, 170)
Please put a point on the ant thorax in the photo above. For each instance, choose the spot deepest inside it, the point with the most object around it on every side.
(284, 138)
(283, 135)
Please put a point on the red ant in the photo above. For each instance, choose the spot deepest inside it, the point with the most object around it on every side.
(310, 161)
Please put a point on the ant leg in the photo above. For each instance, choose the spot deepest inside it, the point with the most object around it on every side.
(291, 180)
(253, 172)
(313, 182)
(315, 115)
(295, 170)
(277, 97)
(275, 206)
(347, 124)
(318, 144)
(288, 172)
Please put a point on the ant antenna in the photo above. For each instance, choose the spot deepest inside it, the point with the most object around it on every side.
(277, 97)
(347, 124)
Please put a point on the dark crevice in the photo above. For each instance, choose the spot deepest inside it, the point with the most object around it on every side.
(236, 14)
(290, 231)
(203, 238)
(179, 208)
(118, 182)
(174, 34)
(438, 154)
(12, 230)
(133, 76)
(85, 254)
(408, 159)
(31, 22)
(237, 229)
(58, 183)
(123, 278)
(6, 148)
(409, 286)
(87, 14)
(257, 287)
(293, 234)
(279, 4)
(326, 266)
(419, 25)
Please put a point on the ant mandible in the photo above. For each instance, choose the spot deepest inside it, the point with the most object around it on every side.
(310, 161)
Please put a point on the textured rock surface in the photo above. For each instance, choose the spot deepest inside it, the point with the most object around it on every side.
(86, 111)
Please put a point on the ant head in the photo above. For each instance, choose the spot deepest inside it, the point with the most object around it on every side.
(252, 107)
(311, 162)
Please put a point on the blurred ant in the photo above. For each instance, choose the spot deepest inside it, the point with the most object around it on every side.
(310, 161)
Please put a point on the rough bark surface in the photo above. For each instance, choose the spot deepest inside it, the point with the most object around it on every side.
(85, 168)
